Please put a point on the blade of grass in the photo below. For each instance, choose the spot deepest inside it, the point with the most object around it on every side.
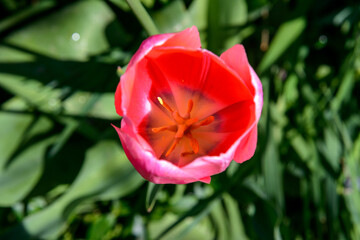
(152, 194)
(285, 36)
(143, 17)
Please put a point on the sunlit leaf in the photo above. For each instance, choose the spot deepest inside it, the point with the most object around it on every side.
(106, 174)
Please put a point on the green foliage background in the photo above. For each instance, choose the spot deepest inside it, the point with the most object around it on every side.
(64, 175)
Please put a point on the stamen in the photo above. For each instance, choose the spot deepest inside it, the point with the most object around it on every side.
(172, 147)
(177, 117)
(194, 143)
(203, 122)
(164, 128)
(164, 104)
(180, 131)
(206, 121)
(183, 126)
(190, 106)
(190, 121)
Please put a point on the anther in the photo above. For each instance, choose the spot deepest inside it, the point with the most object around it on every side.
(164, 104)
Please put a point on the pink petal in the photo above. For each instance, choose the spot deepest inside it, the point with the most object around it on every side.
(247, 146)
(151, 168)
(258, 98)
(205, 180)
(118, 100)
(236, 59)
(188, 38)
(133, 100)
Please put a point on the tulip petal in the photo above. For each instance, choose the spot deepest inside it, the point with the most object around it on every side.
(134, 100)
(165, 75)
(118, 100)
(247, 146)
(258, 99)
(205, 180)
(236, 59)
(151, 168)
(209, 165)
(202, 79)
(188, 38)
(230, 124)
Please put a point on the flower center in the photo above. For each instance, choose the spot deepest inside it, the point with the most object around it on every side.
(182, 127)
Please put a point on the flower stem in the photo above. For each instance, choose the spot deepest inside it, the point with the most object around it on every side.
(143, 16)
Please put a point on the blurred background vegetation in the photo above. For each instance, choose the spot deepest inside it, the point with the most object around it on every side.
(63, 172)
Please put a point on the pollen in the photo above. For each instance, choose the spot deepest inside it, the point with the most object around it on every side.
(182, 127)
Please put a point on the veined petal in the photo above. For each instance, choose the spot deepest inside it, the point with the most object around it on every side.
(204, 74)
(236, 59)
(230, 124)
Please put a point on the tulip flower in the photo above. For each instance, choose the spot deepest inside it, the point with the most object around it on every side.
(187, 113)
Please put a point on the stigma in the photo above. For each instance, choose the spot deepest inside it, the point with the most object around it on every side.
(182, 127)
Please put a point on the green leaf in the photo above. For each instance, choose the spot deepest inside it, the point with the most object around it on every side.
(106, 174)
(352, 198)
(198, 11)
(22, 157)
(102, 108)
(287, 34)
(190, 228)
(272, 170)
(172, 18)
(236, 226)
(100, 227)
(233, 13)
(152, 194)
(143, 17)
(25, 14)
(59, 41)
(331, 149)
(220, 221)
(344, 93)
(291, 92)
(198, 209)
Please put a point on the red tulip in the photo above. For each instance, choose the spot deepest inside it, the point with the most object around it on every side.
(187, 112)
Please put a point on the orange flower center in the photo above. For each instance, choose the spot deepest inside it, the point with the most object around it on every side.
(182, 127)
